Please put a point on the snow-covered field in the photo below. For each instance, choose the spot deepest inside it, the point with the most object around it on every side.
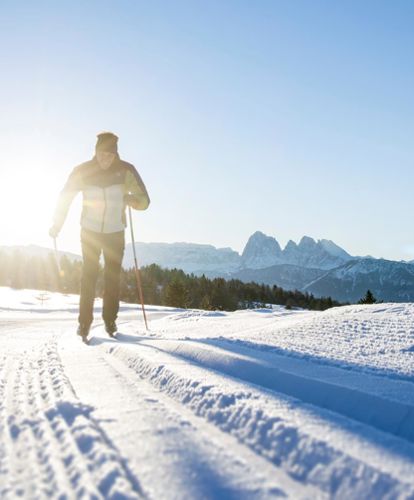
(253, 404)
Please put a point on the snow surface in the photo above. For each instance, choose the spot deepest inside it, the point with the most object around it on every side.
(264, 403)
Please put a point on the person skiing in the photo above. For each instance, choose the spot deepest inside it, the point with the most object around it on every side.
(108, 185)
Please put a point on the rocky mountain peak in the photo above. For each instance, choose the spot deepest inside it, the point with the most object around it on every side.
(333, 249)
(290, 246)
(264, 251)
(260, 251)
(307, 243)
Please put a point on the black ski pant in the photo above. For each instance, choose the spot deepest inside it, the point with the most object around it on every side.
(112, 246)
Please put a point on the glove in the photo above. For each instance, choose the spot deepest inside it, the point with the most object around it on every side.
(130, 200)
(54, 231)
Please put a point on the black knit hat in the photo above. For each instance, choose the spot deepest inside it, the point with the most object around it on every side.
(107, 141)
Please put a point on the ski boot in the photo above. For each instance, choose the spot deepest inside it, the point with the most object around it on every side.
(111, 328)
(83, 332)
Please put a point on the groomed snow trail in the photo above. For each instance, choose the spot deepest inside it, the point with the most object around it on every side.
(51, 446)
(174, 453)
(340, 457)
(77, 423)
(208, 405)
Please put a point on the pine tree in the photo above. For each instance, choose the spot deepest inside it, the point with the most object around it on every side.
(176, 294)
(368, 298)
(161, 286)
(205, 303)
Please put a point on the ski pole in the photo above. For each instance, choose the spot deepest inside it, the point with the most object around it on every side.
(137, 272)
(57, 257)
(60, 273)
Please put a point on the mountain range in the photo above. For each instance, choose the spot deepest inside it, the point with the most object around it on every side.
(319, 267)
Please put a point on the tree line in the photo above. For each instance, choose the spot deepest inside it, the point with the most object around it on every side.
(169, 287)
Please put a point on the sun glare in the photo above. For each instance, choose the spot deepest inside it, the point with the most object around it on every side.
(27, 200)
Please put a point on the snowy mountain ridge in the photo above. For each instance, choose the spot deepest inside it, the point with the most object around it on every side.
(319, 267)
(261, 251)
(264, 251)
(388, 280)
(36, 251)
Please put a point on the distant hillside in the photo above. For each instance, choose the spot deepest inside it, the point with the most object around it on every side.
(287, 276)
(318, 267)
(190, 257)
(387, 279)
(37, 251)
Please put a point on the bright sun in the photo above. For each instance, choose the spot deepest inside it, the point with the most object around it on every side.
(27, 201)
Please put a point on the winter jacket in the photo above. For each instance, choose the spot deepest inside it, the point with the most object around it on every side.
(106, 193)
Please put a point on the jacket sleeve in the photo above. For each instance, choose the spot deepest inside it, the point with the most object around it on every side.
(69, 191)
(137, 195)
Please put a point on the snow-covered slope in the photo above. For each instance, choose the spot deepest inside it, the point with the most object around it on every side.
(191, 257)
(253, 404)
(287, 276)
(385, 278)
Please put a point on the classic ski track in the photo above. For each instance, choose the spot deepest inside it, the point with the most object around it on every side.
(308, 388)
(198, 395)
(223, 441)
(51, 445)
(85, 448)
(4, 459)
(27, 460)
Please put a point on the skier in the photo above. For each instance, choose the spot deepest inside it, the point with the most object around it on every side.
(108, 185)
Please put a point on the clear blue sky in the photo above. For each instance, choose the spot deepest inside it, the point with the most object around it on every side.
(289, 117)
